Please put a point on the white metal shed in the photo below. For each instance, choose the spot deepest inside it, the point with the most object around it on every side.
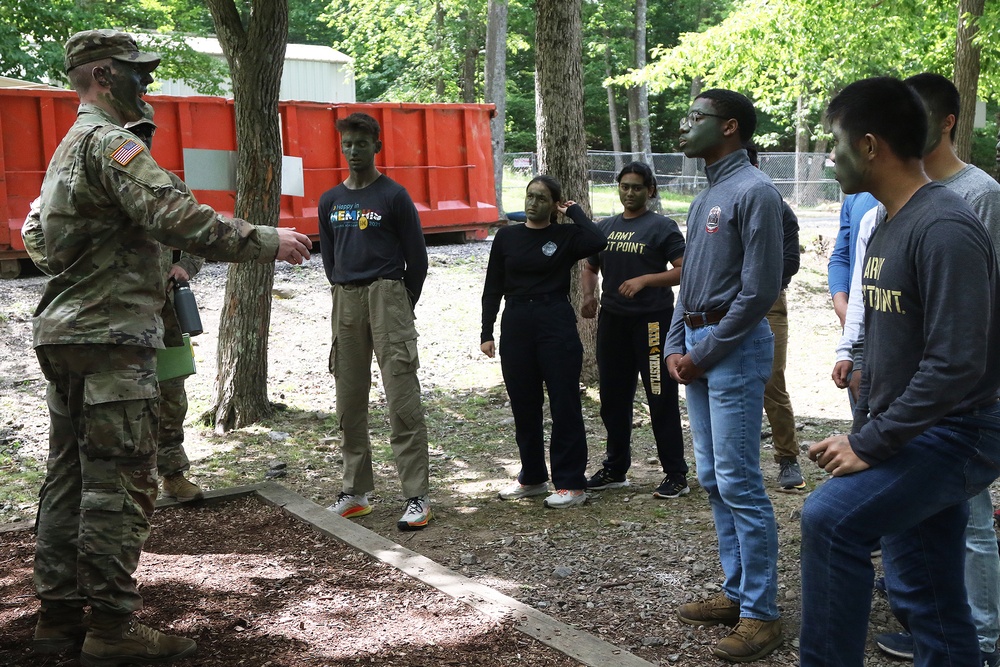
(312, 73)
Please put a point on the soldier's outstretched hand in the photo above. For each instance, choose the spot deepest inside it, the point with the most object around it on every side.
(293, 247)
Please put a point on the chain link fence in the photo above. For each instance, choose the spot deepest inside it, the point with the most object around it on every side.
(803, 179)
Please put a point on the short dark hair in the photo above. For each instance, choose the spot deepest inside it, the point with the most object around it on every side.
(752, 153)
(885, 107)
(554, 187)
(642, 169)
(731, 104)
(359, 122)
(939, 95)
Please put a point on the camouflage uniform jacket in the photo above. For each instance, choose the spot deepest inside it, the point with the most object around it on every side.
(106, 209)
(34, 245)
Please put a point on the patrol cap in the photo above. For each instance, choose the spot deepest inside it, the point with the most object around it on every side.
(90, 45)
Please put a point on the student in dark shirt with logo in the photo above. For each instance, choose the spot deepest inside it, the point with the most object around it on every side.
(931, 373)
(636, 306)
(529, 268)
(376, 261)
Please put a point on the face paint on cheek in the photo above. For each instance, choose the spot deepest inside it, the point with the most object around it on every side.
(123, 95)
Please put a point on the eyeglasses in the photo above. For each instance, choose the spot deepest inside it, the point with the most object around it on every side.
(695, 116)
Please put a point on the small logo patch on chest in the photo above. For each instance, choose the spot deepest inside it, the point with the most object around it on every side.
(549, 249)
(712, 225)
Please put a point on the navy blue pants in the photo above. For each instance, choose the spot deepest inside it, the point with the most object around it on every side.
(629, 346)
(539, 345)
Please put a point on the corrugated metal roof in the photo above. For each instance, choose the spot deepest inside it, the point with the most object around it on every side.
(211, 46)
(7, 82)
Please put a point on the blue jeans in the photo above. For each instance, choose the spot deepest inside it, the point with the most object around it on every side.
(725, 408)
(915, 502)
(982, 570)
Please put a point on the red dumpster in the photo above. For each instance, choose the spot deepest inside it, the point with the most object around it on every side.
(441, 153)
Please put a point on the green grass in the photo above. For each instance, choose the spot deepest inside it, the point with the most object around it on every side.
(604, 199)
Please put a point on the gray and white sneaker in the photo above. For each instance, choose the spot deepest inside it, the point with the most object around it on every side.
(518, 490)
(416, 514)
(790, 477)
(563, 498)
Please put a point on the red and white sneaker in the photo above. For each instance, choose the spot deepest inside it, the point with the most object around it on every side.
(349, 505)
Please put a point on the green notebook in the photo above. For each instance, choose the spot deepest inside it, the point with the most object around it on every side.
(175, 362)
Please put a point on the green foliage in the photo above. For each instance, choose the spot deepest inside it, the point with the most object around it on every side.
(783, 52)
(408, 51)
(32, 38)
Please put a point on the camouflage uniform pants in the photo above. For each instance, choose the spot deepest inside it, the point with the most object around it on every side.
(100, 484)
(170, 455)
(379, 318)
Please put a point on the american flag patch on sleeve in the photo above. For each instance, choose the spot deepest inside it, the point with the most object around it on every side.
(128, 150)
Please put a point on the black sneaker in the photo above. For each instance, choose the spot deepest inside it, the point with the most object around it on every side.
(898, 644)
(605, 479)
(674, 485)
(790, 477)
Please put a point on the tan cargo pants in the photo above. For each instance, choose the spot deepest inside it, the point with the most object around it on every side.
(378, 318)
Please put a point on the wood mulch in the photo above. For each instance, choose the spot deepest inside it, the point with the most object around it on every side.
(257, 588)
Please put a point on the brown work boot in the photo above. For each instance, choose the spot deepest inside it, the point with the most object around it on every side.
(59, 628)
(713, 611)
(750, 640)
(122, 639)
(177, 487)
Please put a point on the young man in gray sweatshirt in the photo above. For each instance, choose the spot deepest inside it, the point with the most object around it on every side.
(720, 346)
(932, 374)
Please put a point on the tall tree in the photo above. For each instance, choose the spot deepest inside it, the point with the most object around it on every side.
(496, 86)
(967, 53)
(562, 143)
(639, 93)
(254, 46)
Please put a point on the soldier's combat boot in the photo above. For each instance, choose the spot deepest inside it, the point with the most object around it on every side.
(177, 487)
(59, 628)
(116, 640)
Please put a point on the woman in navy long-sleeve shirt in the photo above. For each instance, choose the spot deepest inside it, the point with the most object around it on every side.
(530, 267)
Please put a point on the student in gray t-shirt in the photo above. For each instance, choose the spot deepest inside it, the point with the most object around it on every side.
(720, 346)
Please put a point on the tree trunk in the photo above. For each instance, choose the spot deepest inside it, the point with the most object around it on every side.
(967, 73)
(256, 55)
(996, 159)
(645, 142)
(470, 59)
(616, 137)
(801, 146)
(635, 140)
(438, 45)
(562, 143)
(496, 87)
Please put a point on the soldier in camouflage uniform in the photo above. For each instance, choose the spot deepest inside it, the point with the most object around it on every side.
(106, 209)
(171, 459)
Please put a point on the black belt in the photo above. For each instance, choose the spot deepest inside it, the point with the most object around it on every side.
(367, 281)
(536, 298)
(698, 320)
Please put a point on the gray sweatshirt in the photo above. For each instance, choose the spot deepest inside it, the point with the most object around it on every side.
(733, 258)
(932, 319)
